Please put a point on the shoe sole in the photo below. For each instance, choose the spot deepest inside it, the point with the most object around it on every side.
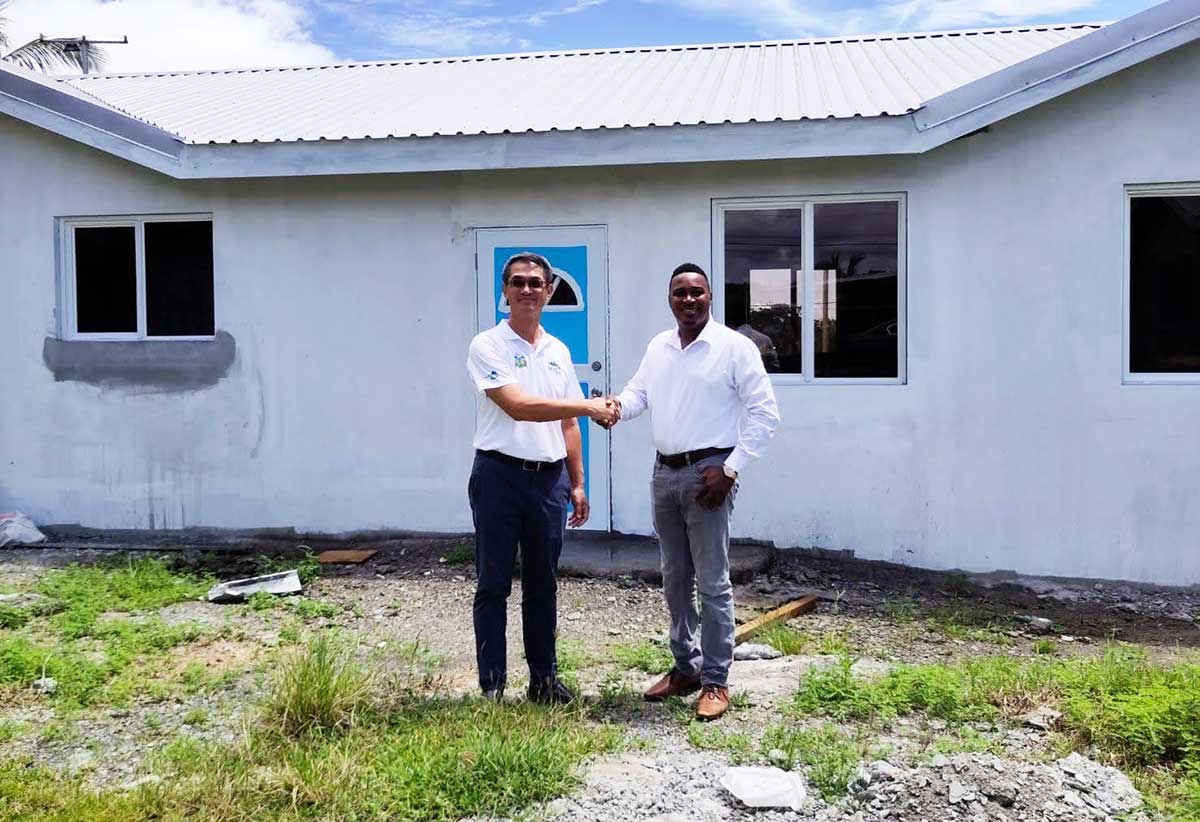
(685, 692)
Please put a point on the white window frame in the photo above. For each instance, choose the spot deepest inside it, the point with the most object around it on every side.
(1128, 376)
(720, 207)
(69, 317)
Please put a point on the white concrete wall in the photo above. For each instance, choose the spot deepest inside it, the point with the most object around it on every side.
(1013, 445)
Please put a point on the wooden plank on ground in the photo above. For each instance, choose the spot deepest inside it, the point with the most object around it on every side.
(780, 614)
(351, 556)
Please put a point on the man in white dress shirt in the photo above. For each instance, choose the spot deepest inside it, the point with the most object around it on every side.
(528, 466)
(712, 410)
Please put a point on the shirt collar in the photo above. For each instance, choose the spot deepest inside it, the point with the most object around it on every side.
(509, 333)
(706, 335)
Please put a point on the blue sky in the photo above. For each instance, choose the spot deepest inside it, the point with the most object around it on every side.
(195, 34)
(369, 29)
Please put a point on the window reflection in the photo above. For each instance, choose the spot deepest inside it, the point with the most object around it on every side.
(856, 289)
(764, 284)
(1164, 285)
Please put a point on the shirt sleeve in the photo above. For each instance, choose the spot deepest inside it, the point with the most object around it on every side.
(758, 398)
(633, 399)
(487, 365)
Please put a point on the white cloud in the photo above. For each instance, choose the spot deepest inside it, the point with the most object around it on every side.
(928, 14)
(797, 18)
(460, 27)
(177, 34)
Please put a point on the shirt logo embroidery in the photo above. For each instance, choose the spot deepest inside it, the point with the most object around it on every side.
(554, 365)
(519, 361)
(493, 375)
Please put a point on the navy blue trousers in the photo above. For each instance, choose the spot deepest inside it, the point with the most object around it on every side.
(511, 507)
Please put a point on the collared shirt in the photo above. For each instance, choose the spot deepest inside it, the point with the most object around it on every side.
(713, 394)
(500, 356)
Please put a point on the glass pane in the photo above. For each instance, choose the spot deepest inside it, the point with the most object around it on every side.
(856, 290)
(764, 285)
(1164, 284)
(105, 280)
(179, 279)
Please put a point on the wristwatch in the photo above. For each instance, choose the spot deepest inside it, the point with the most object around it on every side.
(729, 472)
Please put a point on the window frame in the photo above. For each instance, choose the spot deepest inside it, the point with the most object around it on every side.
(69, 316)
(1128, 376)
(721, 206)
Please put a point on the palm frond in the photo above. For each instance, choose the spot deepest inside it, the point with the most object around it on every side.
(3, 23)
(44, 55)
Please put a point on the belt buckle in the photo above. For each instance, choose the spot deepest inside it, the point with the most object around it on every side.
(537, 466)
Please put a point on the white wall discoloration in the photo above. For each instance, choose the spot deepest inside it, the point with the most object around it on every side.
(1013, 445)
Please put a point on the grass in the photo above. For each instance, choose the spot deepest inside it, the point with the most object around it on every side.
(108, 666)
(643, 655)
(131, 586)
(835, 643)
(332, 750)
(707, 736)
(12, 617)
(463, 553)
(310, 609)
(831, 755)
(784, 638)
(323, 687)
(1137, 714)
(1046, 647)
(901, 610)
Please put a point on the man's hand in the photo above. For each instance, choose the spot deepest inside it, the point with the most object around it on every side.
(579, 502)
(604, 411)
(715, 489)
(614, 406)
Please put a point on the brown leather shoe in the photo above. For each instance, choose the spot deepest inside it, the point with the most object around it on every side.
(673, 683)
(713, 701)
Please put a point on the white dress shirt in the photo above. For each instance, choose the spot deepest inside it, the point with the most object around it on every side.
(713, 394)
(500, 356)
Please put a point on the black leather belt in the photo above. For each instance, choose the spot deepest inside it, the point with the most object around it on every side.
(524, 465)
(689, 457)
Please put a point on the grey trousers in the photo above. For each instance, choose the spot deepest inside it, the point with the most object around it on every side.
(694, 548)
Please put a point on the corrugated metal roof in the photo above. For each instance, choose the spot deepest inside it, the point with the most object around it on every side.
(564, 91)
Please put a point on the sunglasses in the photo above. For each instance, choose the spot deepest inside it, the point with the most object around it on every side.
(532, 283)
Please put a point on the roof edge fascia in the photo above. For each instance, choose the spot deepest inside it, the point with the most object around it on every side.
(1058, 71)
(600, 147)
(42, 105)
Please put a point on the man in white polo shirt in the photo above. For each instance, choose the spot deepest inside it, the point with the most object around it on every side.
(528, 467)
(712, 410)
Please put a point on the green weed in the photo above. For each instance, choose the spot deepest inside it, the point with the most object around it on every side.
(831, 756)
(132, 586)
(709, 737)
(310, 609)
(1046, 647)
(643, 655)
(835, 643)
(321, 687)
(12, 617)
(784, 638)
(901, 610)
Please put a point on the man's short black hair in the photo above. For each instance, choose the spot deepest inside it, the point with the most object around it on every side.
(690, 268)
(527, 257)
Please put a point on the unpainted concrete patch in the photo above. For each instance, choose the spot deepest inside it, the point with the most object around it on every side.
(172, 365)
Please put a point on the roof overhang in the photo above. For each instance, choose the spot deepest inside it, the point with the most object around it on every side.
(938, 121)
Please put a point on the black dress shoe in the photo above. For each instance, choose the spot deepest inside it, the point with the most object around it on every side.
(550, 692)
(494, 695)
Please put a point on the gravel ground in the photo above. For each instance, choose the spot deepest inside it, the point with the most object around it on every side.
(885, 614)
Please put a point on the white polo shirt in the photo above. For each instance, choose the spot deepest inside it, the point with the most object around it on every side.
(713, 394)
(498, 357)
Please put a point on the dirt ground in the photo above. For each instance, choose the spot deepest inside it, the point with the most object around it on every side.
(879, 613)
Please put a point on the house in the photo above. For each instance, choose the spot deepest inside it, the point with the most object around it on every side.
(242, 299)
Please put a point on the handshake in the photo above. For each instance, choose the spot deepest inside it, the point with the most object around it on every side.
(606, 411)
